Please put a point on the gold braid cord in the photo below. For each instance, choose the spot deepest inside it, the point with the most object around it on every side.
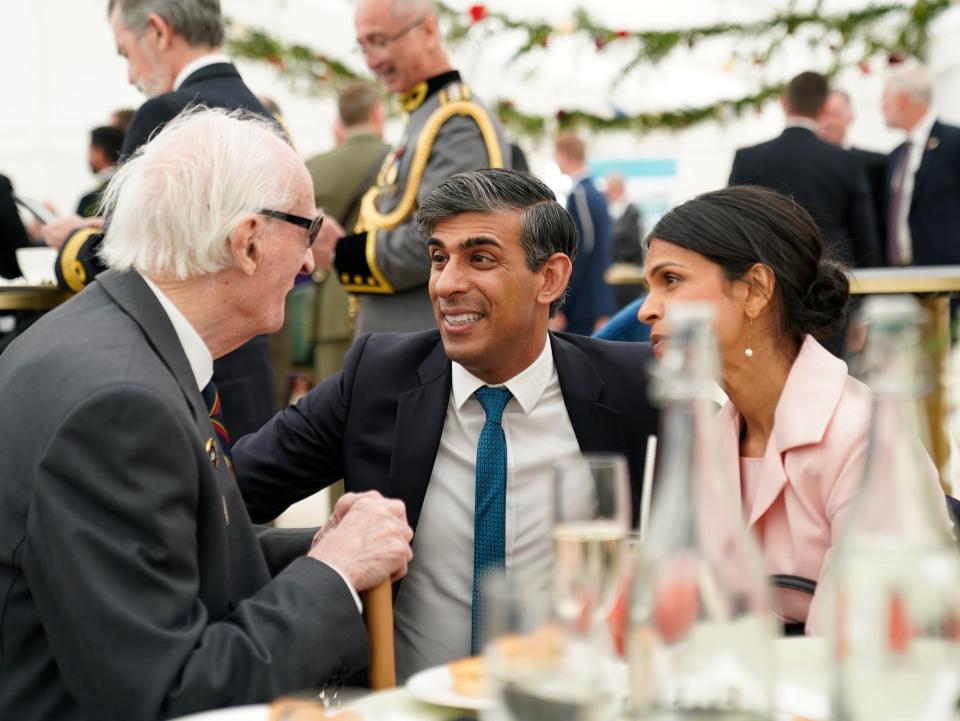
(373, 219)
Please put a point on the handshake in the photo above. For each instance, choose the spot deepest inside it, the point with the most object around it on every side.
(367, 539)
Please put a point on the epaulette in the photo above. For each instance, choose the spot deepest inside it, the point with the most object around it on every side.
(356, 256)
(77, 263)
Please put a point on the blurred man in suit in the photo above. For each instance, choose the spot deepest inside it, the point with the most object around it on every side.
(383, 260)
(923, 219)
(12, 233)
(828, 182)
(134, 585)
(627, 235)
(590, 301)
(173, 53)
(406, 414)
(103, 154)
(340, 179)
(834, 121)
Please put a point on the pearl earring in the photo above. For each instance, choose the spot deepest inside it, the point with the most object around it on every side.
(749, 351)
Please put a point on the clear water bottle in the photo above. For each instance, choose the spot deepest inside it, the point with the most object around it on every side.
(894, 608)
(700, 640)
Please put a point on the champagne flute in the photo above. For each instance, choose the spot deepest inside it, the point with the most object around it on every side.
(591, 520)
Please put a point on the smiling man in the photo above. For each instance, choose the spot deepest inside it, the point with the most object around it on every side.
(407, 414)
(382, 261)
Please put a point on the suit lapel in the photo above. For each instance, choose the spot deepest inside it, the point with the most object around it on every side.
(597, 426)
(130, 292)
(421, 413)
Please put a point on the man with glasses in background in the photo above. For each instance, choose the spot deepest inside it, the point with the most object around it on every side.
(173, 50)
(385, 261)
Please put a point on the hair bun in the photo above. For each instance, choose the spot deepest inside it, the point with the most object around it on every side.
(823, 310)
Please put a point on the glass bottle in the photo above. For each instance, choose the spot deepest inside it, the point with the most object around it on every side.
(893, 611)
(701, 631)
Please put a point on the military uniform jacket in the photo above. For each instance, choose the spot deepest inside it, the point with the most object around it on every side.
(386, 261)
(135, 586)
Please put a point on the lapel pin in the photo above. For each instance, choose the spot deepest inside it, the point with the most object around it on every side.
(212, 454)
(933, 143)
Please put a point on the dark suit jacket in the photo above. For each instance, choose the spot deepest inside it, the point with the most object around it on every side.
(12, 233)
(825, 179)
(377, 424)
(875, 166)
(588, 295)
(935, 207)
(134, 585)
(243, 377)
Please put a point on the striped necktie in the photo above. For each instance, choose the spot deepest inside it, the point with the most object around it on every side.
(490, 498)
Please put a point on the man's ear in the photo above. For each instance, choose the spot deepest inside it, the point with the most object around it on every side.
(554, 274)
(158, 31)
(246, 246)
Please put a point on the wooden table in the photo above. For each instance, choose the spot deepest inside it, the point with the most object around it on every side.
(18, 298)
(936, 283)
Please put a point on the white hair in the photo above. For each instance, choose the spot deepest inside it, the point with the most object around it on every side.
(912, 79)
(171, 206)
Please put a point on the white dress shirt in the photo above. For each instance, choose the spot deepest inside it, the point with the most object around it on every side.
(917, 138)
(201, 62)
(201, 363)
(433, 609)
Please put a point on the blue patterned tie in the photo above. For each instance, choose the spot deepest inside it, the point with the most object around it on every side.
(489, 499)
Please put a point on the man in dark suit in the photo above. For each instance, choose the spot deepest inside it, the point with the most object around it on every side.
(134, 585)
(173, 55)
(923, 173)
(627, 236)
(825, 180)
(590, 301)
(407, 414)
(832, 127)
(12, 233)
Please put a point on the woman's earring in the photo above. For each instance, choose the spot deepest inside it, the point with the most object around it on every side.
(749, 351)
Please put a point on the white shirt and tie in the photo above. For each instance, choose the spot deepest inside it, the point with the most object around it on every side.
(433, 607)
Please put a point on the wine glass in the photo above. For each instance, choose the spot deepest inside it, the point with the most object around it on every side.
(591, 521)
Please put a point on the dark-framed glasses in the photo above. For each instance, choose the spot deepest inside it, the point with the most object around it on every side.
(382, 42)
(311, 225)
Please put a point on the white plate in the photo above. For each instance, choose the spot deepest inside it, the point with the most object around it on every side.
(435, 685)
(260, 712)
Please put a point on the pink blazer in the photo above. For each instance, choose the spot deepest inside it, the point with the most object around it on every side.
(811, 471)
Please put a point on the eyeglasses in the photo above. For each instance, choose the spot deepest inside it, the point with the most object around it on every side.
(382, 42)
(311, 225)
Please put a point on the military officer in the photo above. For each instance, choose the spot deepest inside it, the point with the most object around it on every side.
(384, 261)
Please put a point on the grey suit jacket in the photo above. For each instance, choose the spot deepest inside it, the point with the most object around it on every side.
(134, 584)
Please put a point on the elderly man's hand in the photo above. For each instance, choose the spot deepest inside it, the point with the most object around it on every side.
(323, 248)
(367, 539)
(56, 233)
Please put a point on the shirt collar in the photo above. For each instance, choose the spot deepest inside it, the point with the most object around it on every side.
(105, 173)
(198, 355)
(415, 96)
(921, 131)
(527, 386)
(194, 65)
(798, 121)
(580, 175)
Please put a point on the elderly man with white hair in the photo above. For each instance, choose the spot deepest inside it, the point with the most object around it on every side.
(923, 172)
(134, 584)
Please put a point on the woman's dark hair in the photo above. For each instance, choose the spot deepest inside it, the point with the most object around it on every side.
(742, 225)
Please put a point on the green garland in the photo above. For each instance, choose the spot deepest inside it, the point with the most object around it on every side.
(311, 71)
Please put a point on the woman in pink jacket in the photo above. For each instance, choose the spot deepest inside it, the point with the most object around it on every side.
(794, 430)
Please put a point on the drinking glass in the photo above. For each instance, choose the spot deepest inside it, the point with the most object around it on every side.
(539, 671)
(591, 520)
